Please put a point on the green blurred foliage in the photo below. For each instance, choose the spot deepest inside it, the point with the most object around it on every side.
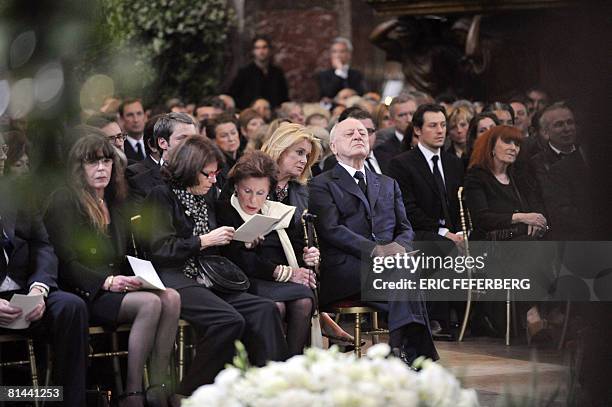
(158, 49)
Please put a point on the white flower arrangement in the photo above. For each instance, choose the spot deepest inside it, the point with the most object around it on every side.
(328, 378)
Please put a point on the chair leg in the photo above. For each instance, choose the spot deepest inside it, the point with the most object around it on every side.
(49, 371)
(116, 365)
(181, 352)
(565, 324)
(358, 334)
(508, 319)
(145, 376)
(33, 368)
(466, 316)
(375, 338)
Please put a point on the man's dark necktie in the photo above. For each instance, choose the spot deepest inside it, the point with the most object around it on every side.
(361, 182)
(5, 246)
(442, 190)
(139, 151)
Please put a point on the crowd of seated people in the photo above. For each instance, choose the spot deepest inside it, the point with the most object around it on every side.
(387, 175)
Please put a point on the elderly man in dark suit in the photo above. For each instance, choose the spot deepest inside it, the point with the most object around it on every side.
(359, 210)
(558, 126)
(28, 266)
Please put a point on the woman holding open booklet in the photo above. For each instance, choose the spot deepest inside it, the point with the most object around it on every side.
(294, 149)
(184, 242)
(90, 238)
(275, 266)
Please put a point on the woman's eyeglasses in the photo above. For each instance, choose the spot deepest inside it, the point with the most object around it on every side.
(211, 175)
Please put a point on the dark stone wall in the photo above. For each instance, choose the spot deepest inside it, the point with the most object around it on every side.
(301, 33)
(531, 47)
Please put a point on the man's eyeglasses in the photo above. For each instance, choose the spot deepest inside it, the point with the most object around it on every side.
(210, 175)
(117, 137)
(105, 161)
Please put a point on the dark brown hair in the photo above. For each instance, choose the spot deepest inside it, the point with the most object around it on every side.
(93, 144)
(211, 125)
(187, 160)
(128, 101)
(254, 164)
(482, 156)
(246, 116)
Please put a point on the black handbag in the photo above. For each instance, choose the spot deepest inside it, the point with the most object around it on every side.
(223, 275)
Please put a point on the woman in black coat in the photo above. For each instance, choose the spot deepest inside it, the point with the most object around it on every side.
(183, 227)
(501, 205)
(276, 265)
(89, 234)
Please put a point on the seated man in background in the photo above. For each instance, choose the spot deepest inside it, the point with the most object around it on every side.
(359, 210)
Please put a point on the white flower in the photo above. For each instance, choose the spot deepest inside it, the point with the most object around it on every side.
(210, 395)
(379, 351)
(403, 398)
(327, 378)
(437, 386)
(468, 398)
(227, 377)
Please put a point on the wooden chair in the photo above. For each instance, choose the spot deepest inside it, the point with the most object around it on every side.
(114, 353)
(466, 226)
(357, 308)
(29, 360)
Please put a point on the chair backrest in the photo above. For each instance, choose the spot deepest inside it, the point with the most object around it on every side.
(135, 232)
(466, 219)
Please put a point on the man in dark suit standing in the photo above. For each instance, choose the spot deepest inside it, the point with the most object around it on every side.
(132, 117)
(390, 140)
(260, 79)
(28, 266)
(359, 210)
(429, 179)
(340, 76)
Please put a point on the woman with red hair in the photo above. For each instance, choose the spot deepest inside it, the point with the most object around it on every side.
(502, 207)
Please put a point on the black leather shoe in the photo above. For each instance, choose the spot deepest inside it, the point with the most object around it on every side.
(406, 356)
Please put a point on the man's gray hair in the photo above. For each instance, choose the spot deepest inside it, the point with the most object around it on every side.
(345, 41)
(398, 100)
(332, 133)
(544, 121)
